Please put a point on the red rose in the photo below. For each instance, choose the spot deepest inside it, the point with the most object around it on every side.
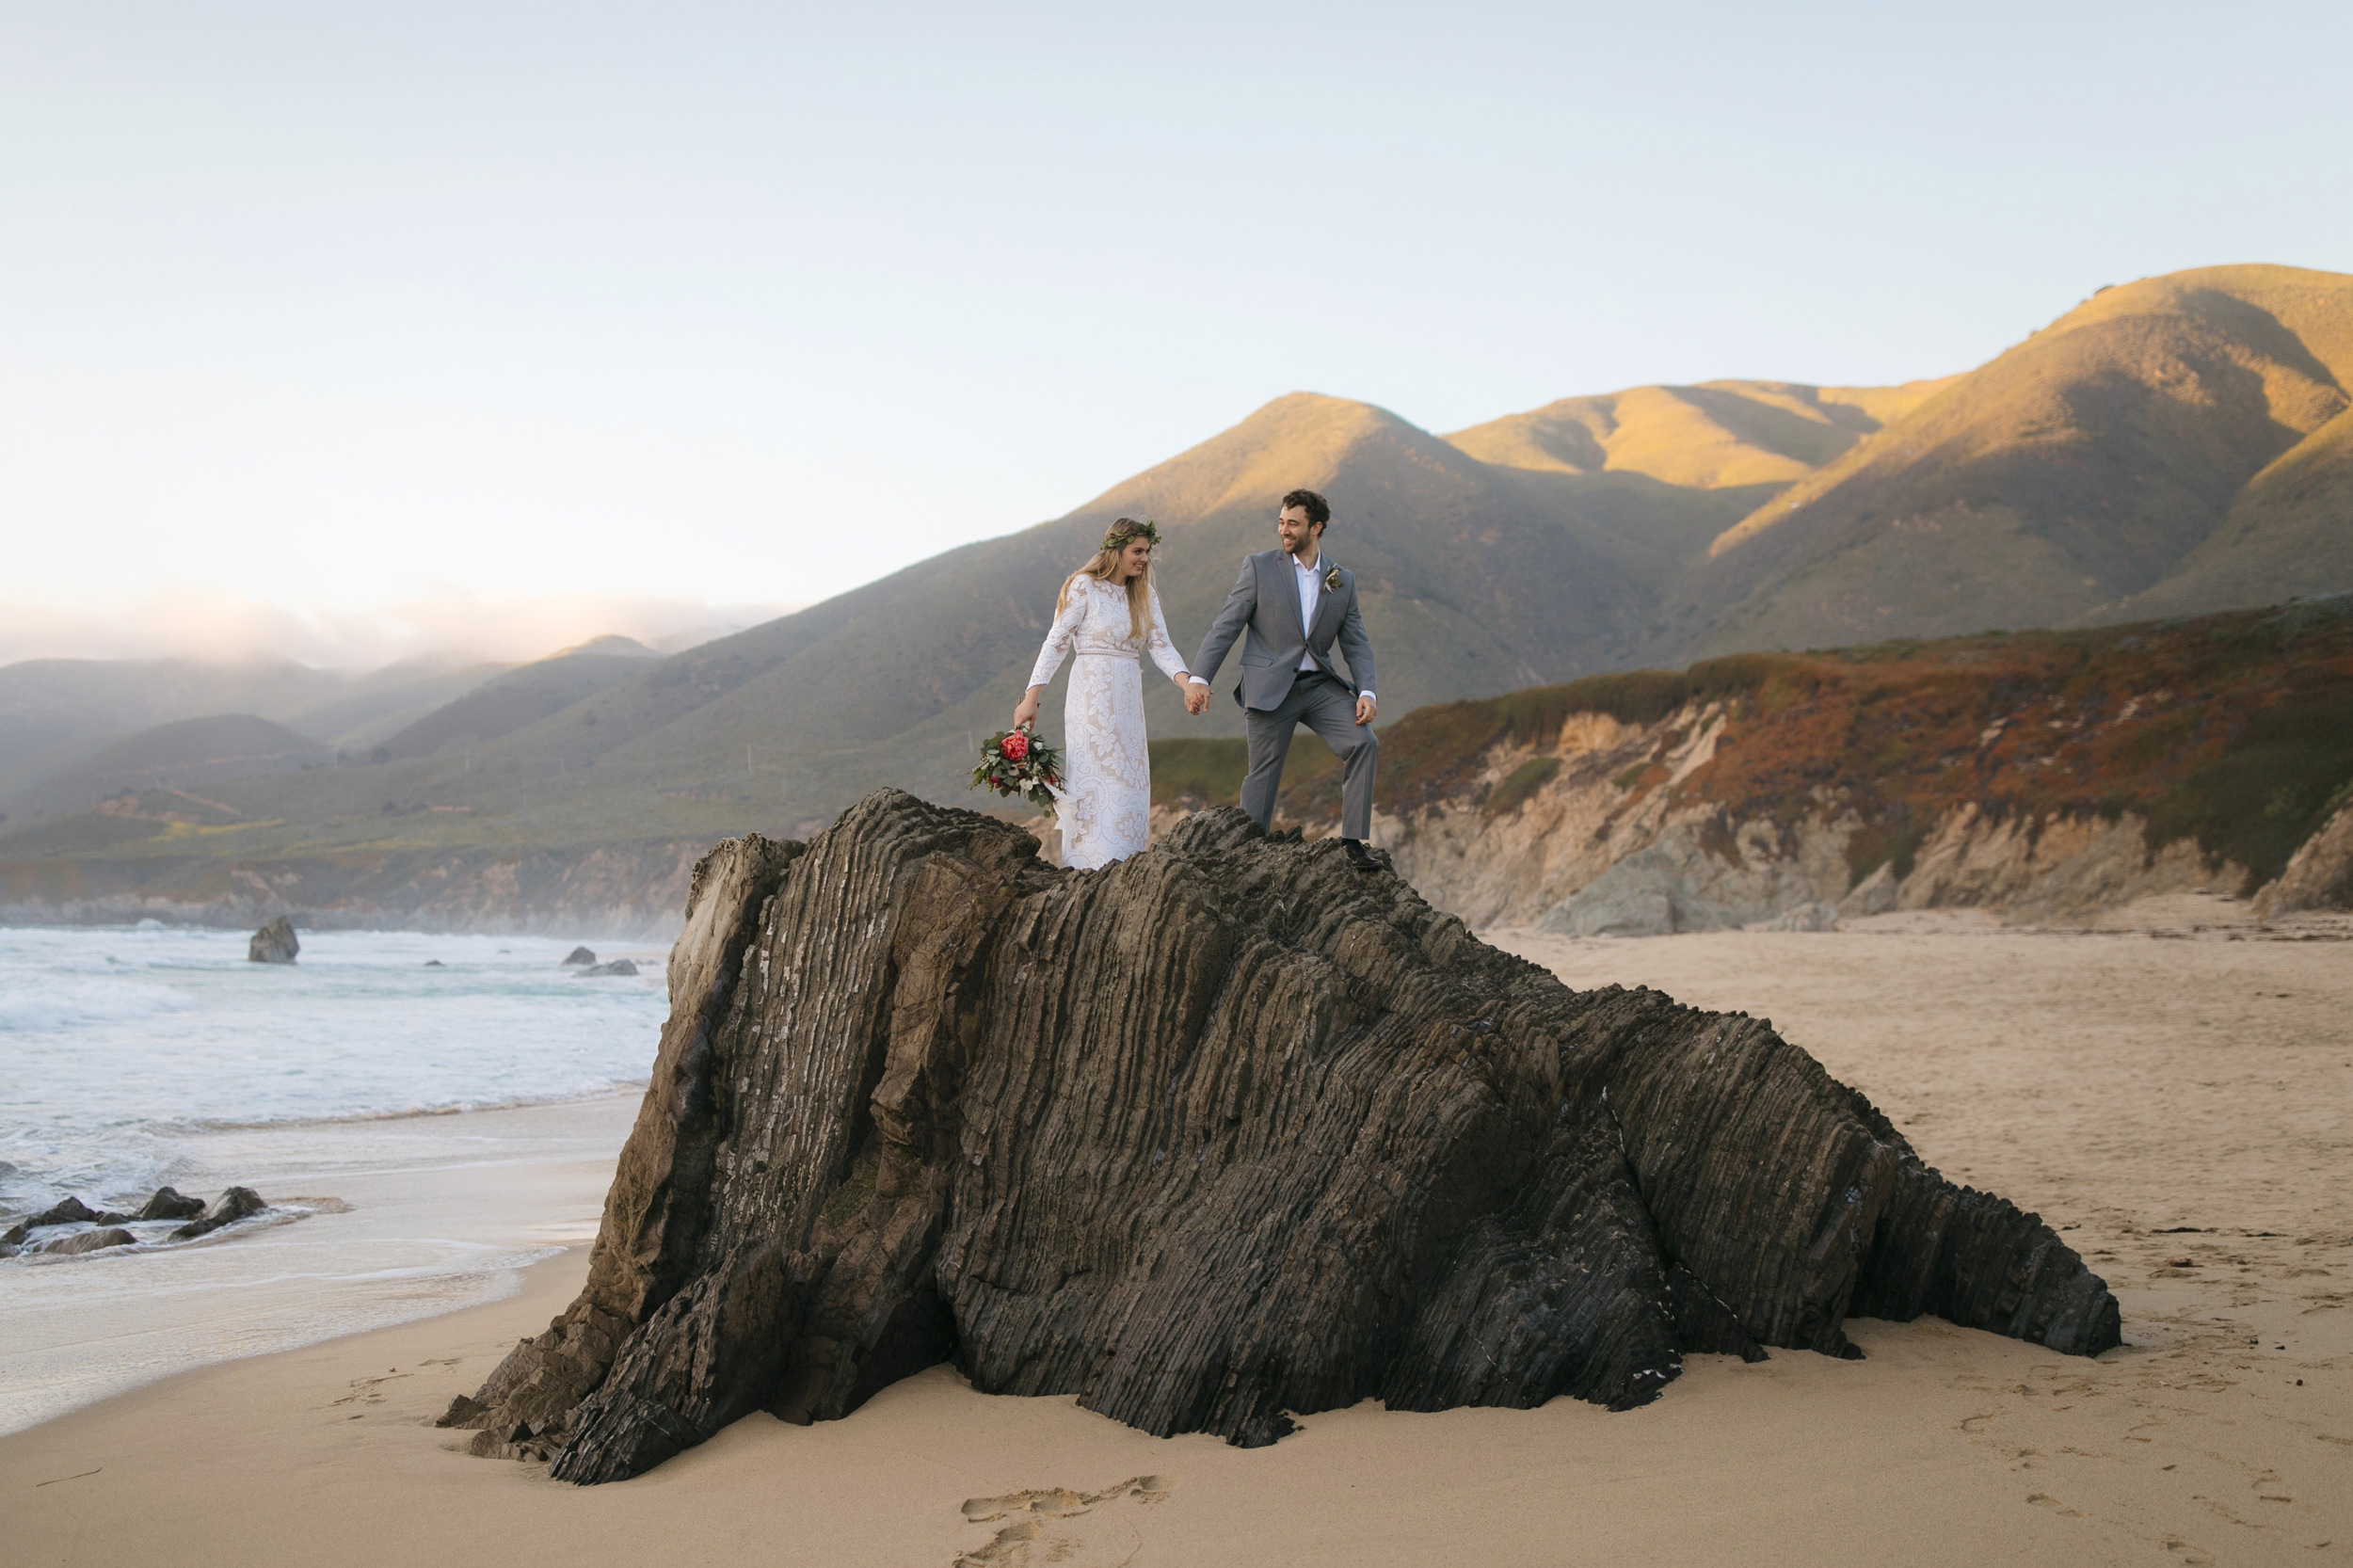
(1015, 746)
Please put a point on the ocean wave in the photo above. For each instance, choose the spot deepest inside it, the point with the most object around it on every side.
(119, 1165)
(61, 1002)
(120, 1050)
(598, 1090)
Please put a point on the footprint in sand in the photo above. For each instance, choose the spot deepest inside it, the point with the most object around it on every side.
(365, 1391)
(1055, 1525)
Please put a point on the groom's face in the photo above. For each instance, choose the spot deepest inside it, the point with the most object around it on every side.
(1298, 534)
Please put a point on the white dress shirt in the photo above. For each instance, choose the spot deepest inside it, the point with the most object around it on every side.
(1310, 576)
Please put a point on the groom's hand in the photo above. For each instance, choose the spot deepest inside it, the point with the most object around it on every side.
(1366, 707)
(1196, 698)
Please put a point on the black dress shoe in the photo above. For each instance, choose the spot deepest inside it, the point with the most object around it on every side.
(1359, 856)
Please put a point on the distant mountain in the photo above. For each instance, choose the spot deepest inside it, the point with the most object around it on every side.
(184, 755)
(2179, 443)
(46, 702)
(55, 713)
(1653, 474)
(1716, 435)
(515, 698)
(365, 710)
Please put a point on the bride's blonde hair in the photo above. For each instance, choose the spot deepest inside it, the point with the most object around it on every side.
(1105, 568)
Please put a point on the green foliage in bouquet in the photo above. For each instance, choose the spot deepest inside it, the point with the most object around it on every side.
(1015, 763)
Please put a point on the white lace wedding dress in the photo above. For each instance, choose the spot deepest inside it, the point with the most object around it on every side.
(1107, 771)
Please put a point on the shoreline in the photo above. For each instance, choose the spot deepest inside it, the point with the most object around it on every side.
(422, 1215)
(625, 1089)
(2178, 1107)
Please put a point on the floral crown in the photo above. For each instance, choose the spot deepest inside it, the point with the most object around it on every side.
(1127, 528)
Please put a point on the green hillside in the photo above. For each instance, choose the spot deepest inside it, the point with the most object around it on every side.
(363, 712)
(513, 698)
(190, 754)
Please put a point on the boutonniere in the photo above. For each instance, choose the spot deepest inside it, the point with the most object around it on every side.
(1332, 581)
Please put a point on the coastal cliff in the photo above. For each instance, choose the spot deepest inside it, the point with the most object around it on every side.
(2042, 775)
(1225, 1132)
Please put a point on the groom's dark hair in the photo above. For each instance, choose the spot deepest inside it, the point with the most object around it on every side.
(1319, 510)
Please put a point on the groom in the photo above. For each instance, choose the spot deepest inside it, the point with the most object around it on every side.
(1293, 602)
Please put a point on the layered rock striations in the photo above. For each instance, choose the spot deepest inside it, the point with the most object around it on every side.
(1223, 1133)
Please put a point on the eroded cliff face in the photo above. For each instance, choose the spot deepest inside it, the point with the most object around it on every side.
(1610, 842)
(1221, 1132)
(2044, 775)
(2319, 876)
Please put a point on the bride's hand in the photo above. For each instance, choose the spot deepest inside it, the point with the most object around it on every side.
(1025, 711)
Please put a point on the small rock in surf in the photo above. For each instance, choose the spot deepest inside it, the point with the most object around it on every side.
(274, 943)
(237, 1204)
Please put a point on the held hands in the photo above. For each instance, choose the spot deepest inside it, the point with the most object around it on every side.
(1366, 707)
(1196, 694)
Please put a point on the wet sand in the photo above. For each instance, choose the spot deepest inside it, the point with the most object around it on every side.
(2175, 1099)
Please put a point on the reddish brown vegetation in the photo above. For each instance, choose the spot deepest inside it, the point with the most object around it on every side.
(2234, 730)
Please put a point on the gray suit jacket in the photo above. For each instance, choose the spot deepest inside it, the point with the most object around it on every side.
(1265, 603)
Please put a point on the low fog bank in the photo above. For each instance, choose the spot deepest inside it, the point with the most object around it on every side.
(451, 628)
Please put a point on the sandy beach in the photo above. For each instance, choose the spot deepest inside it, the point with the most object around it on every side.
(2172, 1092)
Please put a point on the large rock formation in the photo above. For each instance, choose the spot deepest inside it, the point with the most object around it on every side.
(1223, 1132)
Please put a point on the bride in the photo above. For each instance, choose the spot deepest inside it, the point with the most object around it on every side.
(1107, 614)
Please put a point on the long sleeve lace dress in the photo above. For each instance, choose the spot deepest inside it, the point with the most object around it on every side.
(1107, 770)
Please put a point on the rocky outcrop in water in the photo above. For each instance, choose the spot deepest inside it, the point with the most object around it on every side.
(166, 1203)
(1227, 1131)
(67, 1212)
(618, 967)
(170, 1203)
(90, 1240)
(579, 957)
(274, 943)
(238, 1203)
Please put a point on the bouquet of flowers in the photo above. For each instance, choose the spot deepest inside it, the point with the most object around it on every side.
(1015, 763)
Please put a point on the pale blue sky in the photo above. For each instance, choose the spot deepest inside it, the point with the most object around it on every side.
(336, 306)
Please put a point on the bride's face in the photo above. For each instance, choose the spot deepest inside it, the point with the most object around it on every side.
(1132, 560)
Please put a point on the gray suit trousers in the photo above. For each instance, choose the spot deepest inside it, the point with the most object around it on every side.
(1325, 706)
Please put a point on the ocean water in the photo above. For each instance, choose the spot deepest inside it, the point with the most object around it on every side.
(422, 1134)
(117, 1045)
